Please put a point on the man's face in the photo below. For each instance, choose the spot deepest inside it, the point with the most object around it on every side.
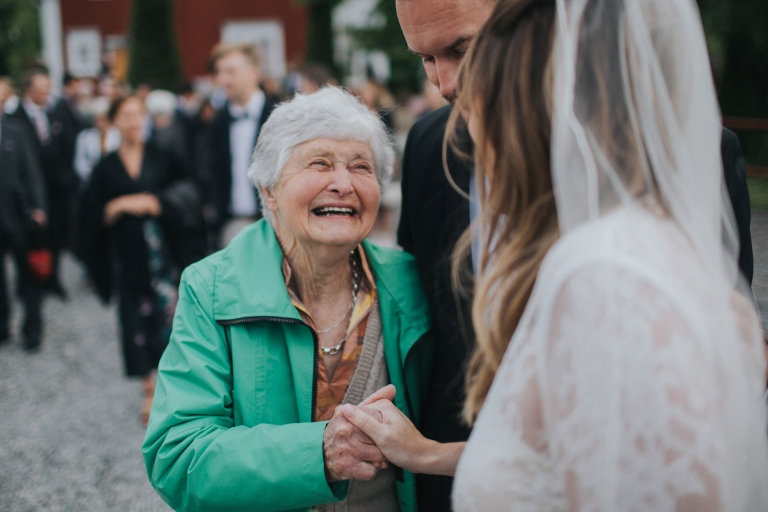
(39, 89)
(439, 31)
(73, 87)
(238, 76)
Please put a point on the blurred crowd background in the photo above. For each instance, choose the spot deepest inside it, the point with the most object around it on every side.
(102, 49)
(161, 50)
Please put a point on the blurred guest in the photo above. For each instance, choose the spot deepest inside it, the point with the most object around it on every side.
(22, 208)
(292, 80)
(66, 110)
(433, 100)
(167, 131)
(377, 99)
(108, 87)
(187, 106)
(271, 88)
(234, 133)
(187, 101)
(93, 143)
(51, 146)
(143, 90)
(8, 95)
(314, 77)
(201, 151)
(137, 208)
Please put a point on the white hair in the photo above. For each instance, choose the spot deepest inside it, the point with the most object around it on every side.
(97, 107)
(331, 113)
(161, 103)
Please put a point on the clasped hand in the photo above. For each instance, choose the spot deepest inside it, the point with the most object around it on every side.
(361, 440)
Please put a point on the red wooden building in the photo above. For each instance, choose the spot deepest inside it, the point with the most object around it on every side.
(96, 30)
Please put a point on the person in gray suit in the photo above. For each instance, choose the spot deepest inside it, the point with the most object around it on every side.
(23, 209)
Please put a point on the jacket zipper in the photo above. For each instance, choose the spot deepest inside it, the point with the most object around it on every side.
(254, 319)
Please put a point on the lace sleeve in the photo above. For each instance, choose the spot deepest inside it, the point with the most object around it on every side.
(631, 393)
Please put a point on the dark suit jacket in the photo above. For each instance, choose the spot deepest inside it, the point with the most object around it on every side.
(61, 180)
(433, 218)
(221, 166)
(181, 219)
(735, 170)
(55, 156)
(64, 113)
(21, 181)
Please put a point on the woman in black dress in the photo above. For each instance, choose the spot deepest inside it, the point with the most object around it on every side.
(142, 224)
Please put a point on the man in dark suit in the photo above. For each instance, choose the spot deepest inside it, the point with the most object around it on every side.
(56, 161)
(65, 111)
(233, 136)
(434, 215)
(22, 208)
(735, 170)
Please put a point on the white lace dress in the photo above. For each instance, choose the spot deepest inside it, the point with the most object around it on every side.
(628, 385)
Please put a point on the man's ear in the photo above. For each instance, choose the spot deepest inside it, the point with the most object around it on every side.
(269, 199)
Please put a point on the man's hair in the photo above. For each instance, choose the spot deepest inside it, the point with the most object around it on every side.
(248, 50)
(29, 75)
(68, 79)
(316, 73)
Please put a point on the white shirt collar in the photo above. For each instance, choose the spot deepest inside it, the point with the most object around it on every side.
(253, 108)
(32, 108)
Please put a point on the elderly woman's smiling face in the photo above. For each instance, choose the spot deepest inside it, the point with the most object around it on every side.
(328, 193)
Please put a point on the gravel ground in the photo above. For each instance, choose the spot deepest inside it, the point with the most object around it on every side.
(70, 437)
(69, 420)
(760, 248)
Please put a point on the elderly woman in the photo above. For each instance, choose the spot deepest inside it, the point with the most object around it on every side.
(296, 316)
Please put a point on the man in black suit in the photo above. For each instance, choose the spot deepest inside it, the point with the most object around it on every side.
(22, 207)
(735, 171)
(56, 161)
(434, 215)
(233, 135)
(66, 111)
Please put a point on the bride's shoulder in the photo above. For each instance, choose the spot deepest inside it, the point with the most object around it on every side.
(630, 237)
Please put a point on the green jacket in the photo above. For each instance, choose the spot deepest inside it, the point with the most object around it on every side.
(231, 425)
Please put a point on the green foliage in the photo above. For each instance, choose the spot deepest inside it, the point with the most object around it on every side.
(154, 56)
(19, 36)
(320, 47)
(407, 72)
(737, 36)
(758, 193)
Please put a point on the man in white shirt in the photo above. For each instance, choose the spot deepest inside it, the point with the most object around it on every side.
(234, 133)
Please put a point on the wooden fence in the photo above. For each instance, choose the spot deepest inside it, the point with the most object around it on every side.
(748, 124)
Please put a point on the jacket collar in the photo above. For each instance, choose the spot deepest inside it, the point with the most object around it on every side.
(249, 282)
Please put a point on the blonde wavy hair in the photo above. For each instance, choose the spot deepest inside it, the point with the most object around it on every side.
(505, 82)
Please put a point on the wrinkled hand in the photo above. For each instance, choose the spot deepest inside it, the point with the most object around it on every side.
(348, 452)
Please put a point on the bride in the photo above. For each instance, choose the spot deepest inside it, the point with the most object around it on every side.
(620, 360)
